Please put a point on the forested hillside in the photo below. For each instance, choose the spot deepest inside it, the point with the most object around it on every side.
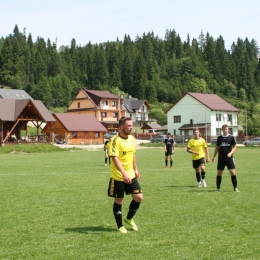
(147, 67)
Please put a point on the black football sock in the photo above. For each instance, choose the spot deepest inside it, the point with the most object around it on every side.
(234, 181)
(105, 160)
(118, 214)
(171, 162)
(166, 162)
(198, 176)
(203, 175)
(133, 207)
(218, 181)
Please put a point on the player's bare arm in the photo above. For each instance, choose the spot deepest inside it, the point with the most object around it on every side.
(137, 174)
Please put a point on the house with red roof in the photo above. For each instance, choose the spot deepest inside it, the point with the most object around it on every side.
(77, 128)
(208, 112)
(106, 107)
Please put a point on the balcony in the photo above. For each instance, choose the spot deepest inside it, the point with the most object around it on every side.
(104, 106)
(143, 119)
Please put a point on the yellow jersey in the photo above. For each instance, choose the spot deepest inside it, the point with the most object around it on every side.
(124, 149)
(197, 145)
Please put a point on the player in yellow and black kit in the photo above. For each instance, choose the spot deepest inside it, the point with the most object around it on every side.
(197, 146)
(124, 174)
(106, 147)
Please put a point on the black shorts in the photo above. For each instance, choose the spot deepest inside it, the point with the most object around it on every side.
(198, 163)
(117, 189)
(229, 162)
(168, 152)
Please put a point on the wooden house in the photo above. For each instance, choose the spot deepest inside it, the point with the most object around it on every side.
(106, 107)
(77, 128)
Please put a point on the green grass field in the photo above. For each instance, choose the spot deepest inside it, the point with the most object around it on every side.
(55, 206)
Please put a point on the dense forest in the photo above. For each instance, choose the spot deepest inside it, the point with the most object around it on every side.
(158, 70)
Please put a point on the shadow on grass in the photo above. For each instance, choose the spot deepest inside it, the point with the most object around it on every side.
(92, 230)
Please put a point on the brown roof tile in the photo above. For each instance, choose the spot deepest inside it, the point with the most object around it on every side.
(80, 122)
(213, 101)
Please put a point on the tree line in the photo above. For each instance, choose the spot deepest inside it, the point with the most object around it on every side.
(158, 70)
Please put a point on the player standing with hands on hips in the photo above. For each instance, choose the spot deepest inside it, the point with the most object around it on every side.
(226, 146)
(169, 149)
(124, 174)
(197, 146)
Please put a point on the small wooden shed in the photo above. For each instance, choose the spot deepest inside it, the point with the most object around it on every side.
(77, 128)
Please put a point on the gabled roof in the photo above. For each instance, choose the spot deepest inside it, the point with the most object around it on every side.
(132, 104)
(150, 126)
(193, 126)
(14, 94)
(163, 128)
(212, 101)
(11, 109)
(80, 122)
(101, 93)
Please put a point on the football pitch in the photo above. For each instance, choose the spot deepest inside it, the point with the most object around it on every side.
(55, 206)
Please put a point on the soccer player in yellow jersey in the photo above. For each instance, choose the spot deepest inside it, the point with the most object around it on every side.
(124, 174)
(197, 146)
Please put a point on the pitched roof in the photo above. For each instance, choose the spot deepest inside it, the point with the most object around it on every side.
(11, 109)
(80, 122)
(14, 94)
(193, 126)
(132, 104)
(212, 101)
(101, 93)
(163, 128)
(150, 126)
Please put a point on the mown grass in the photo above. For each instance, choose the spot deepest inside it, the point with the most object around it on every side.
(55, 206)
(32, 148)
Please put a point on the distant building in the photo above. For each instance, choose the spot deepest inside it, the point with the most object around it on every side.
(105, 106)
(137, 109)
(17, 109)
(77, 128)
(208, 112)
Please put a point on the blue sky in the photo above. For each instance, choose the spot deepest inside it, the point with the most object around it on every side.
(104, 20)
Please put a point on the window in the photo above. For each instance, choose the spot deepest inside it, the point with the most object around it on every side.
(176, 119)
(218, 117)
(96, 134)
(115, 126)
(104, 114)
(78, 104)
(142, 109)
(114, 103)
(74, 134)
(229, 117)
(218, 131)
(104, 103)
(115, 115)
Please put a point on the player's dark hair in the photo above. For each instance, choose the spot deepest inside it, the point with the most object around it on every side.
(224, 126)
(195, 129)
(123, 119)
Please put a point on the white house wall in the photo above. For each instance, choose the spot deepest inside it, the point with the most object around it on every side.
(191, 109)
